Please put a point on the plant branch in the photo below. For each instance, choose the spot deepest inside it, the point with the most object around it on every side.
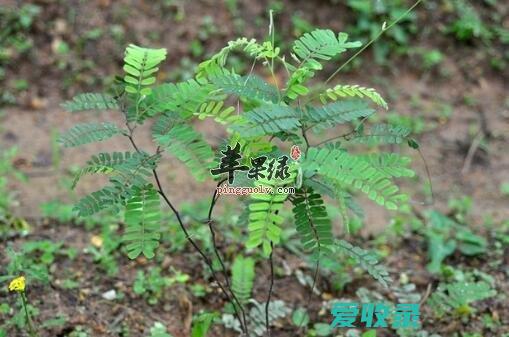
(207, 261)
(213, 201)
(306, 140)
(196, 247)
(345, 135)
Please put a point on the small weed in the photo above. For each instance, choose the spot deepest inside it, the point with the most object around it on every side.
(370, 18)
(152, 284)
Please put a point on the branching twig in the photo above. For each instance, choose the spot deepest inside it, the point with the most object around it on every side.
(304, 135)
(344, 135)
(207, 261)
(213, 201)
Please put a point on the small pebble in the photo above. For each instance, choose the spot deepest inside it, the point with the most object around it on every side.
(110, 295)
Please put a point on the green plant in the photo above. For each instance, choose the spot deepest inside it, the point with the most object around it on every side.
(456, 297)
(18, 285)
(445, 236)
(202, 324)
(300, 317)
(7, 198)
(24, 262)
(18, 318)
(243, 274)
(152, 284)
(103, 250)
(468, 24)
(15, 23)
(288, 114)
(159, 330)
(257, 316)
(371, 17)
(33, 260)
(79, 331)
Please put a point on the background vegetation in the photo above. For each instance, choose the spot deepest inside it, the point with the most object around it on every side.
(443, 72)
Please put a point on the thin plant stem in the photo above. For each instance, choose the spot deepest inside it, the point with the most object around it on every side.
(196, 247)
(213, 201)
(344, 135)
(428, 176)
(271, 262)
(306, 140)
(383, 30)
(24, 301)
(207, 261)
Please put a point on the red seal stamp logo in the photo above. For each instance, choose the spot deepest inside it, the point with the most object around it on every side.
(295, 152)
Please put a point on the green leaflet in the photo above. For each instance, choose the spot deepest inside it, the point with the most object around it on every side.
(215, 65)
(311, 49)
(382, 134)
(140, 67)
(97, 201)
(457, 296)
(247, 87)
(165, 123)
(321, 44)
(250, 147)
(189, 147)
(312, 221)
(264, 218)
(340, 91)
(102, 163)
(202, 323)
(268, 120)
(183, 98)
(277, 310)
(217, 111)
(390, 164)
(243, 273)
(90, 101)
(340, 112)
(132, 173)
(367, 261)
(335, 192)
(339, 167)
(142, 219)
(192, 97)
(85, 133)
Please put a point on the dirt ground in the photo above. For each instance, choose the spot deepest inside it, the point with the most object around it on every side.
(458, 164)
